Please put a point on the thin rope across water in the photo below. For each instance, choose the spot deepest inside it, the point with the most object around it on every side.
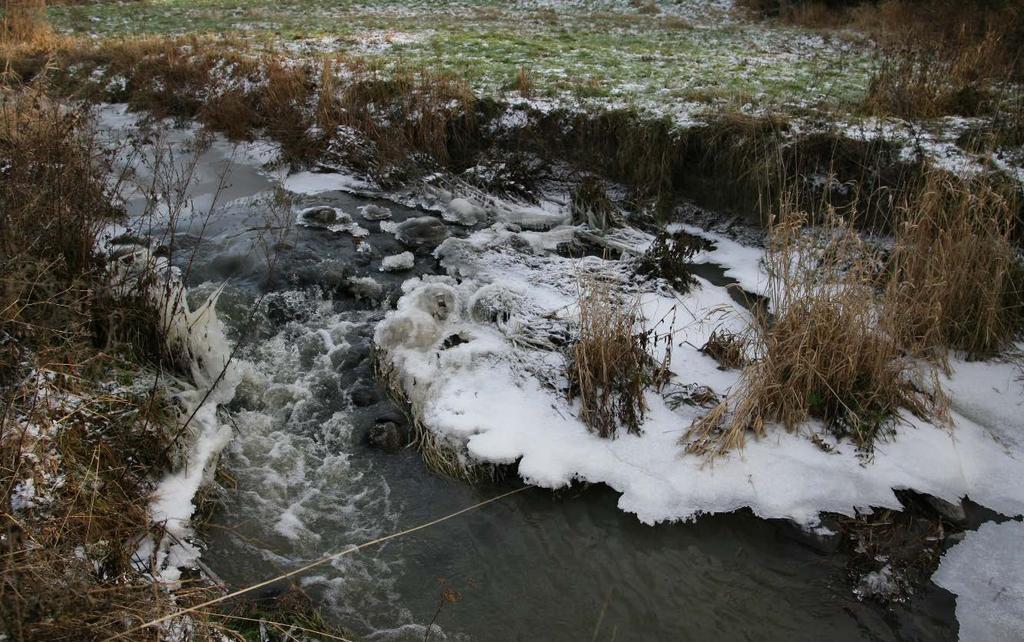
(314, 564)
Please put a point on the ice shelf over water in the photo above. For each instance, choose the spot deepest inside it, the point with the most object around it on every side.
(986, 572)
(496, 392)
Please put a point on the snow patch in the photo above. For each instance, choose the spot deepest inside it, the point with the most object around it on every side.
(398, 262)
(318, 183)
(986, 572)
(477, 354)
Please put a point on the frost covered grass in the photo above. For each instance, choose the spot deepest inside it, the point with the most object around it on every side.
(938, 58)
(603, 52)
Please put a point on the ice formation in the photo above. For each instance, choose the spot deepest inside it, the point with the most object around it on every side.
(476, 353)
(986, 572)
(398, 262)
(197, 336)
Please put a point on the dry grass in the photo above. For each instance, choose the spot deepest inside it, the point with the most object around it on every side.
(23, 21)
(954, 278)
(413, 110)
(727, 348)
(240, 92)
(52, 204)
(959, 29)
(89, 450)
(857, 332)
(67, 559)
(523, 82)
(824, 353)
(925, 83)
(938, 57)
(609, 366)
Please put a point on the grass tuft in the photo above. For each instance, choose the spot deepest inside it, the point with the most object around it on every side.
(609, 365)
(955, 280)
(824, 353)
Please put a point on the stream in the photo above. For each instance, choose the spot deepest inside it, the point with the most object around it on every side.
(304, 481)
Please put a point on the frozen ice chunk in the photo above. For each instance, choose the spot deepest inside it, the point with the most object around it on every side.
(463, 212)
(422, 231)
(397, 262)
(986, 572)
(375, 212)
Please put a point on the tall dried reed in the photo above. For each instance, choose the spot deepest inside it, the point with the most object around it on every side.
(23, 21)
(823, 353)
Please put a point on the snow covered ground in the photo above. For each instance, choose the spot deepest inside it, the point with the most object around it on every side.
(477, 352)
(498, 391)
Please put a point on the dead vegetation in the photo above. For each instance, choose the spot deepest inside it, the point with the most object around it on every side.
(918, 83)
(954, 280)
(938, 57)
(669, 258)
(397, 124)
(77, 457)
(610, 365)
(890, 553)
(857, 332)
(23, 20)
(239, 91)
(86, 424)
(822, 353)
(728, 348)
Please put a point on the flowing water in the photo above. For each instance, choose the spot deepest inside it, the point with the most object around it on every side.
(563, 565)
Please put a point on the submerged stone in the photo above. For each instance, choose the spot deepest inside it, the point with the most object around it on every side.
(321, 215)
(375, 212)
(422, 231)
(387, 436)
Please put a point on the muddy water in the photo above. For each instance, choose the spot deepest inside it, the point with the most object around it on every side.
(539, 565)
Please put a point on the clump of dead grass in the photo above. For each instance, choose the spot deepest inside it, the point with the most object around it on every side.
(954, 277)
(523, 82)
(726, 347)
(823, 354)
(610, 365)
(23, 21)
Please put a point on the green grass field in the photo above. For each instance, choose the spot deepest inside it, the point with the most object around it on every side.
(677, 59)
